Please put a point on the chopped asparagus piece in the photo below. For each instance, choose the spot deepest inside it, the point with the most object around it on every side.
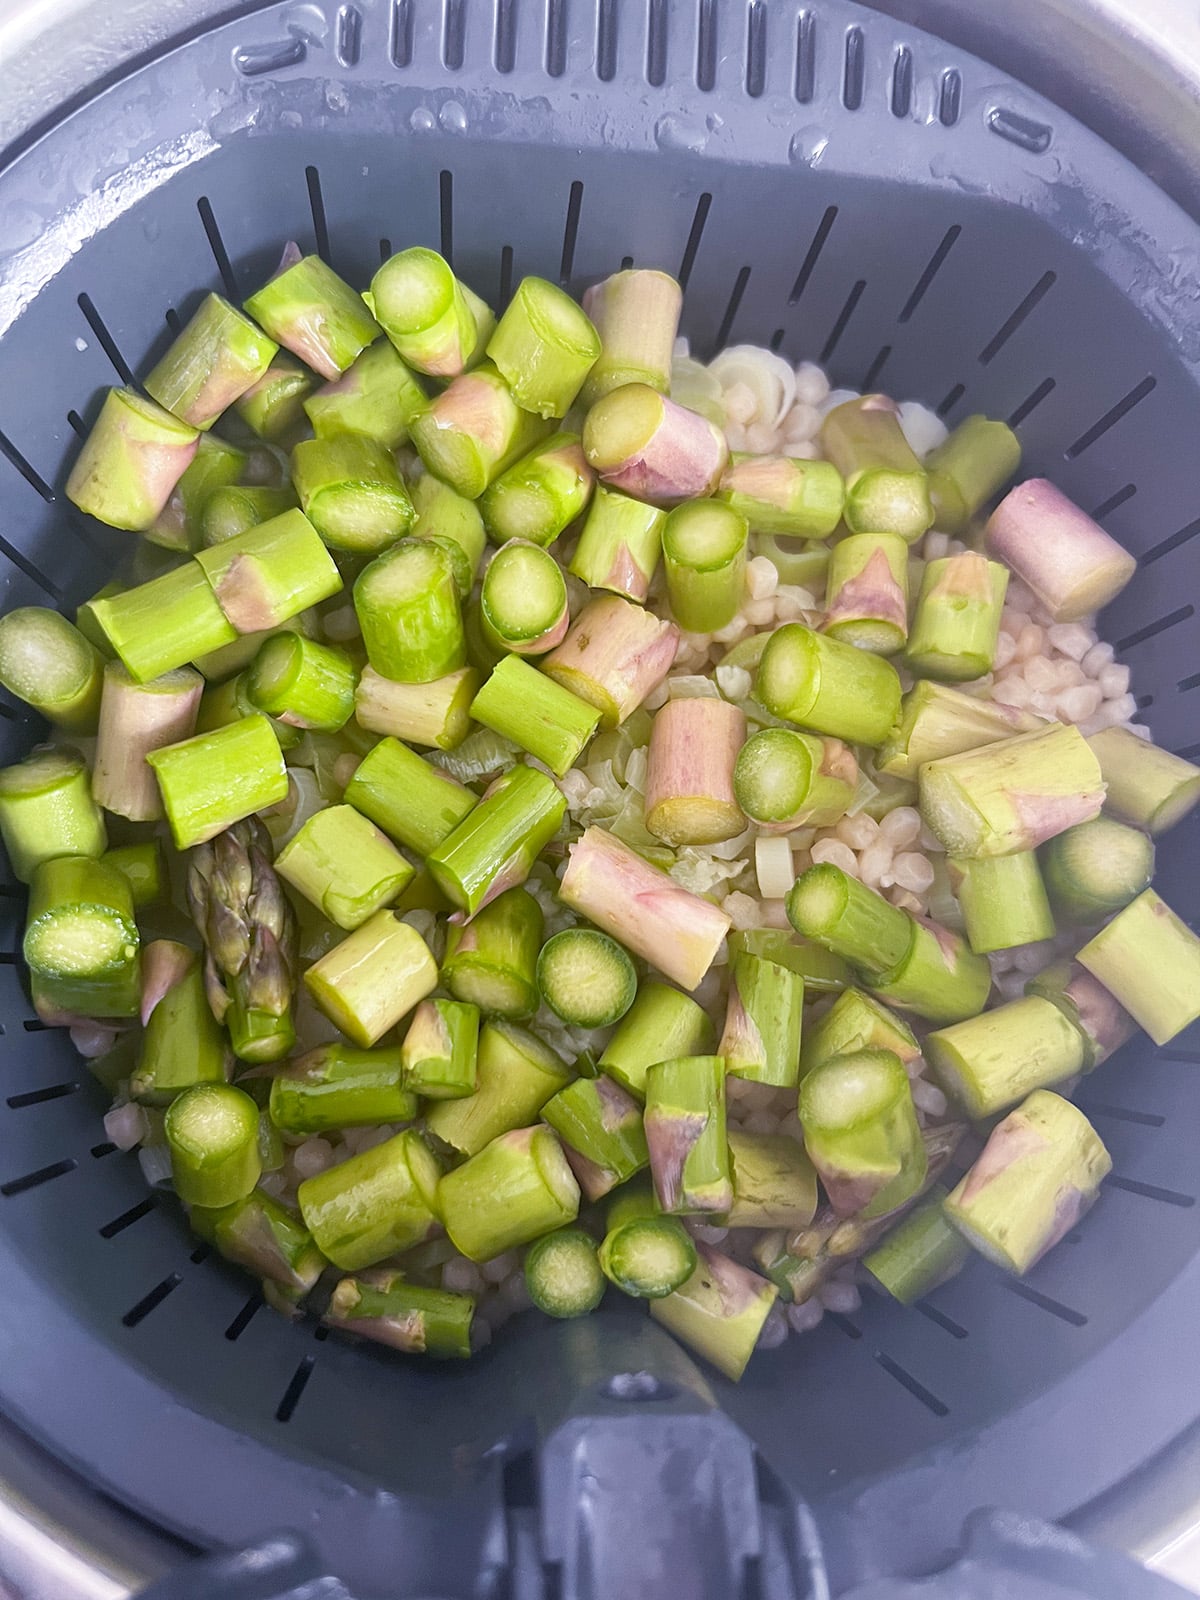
(719, 1311)
(562, 1274)
(47, 810)
(920, 1254)
(989, 1062)
(861, 1132)
(518, 1187)
(351, 491)
(690, 798)
(406, 1316)
(373, 978)
(376, 1204)
(47, 662)
(515, 1075)
(491, 961)
(1147, 786)
(586, 978)
(1095, 868)
(408, 609)
(685, 1134)
(774, 1182)
(413, 801)
(524, 705)
(210, 364)
(313, 313)
(213, 1134)
(827, 686)
(81, 943)
(336, 1086)
(440, 1049)
(600, 1126)
(346, 866)
(131, 460)
(1149, 959)
(761, 1040)
(866, 595)
(1003, 900)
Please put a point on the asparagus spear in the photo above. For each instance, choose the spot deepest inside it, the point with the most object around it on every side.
(261, 1235)
(351, 490)
(1067, 559)
(939, 978)
(1040, 1171)
(784, 780)
(640, 906)
(1147, 786)
(685, 1134)
(613, 657)
(619, 544)
(47, 662)
(133, 457)
(647, 446)
(346, 866)
(235, 508)
(957, 620)
(183, 1044)
(495, 846)
(823, 972)
(309, 310)
(212, 780)
(586, 978)
(136, 719)
(210, 364)
(1003, 900)
(690, 797)
(417, 804)
(761, 1040)
(406, 1316)
(887, 490)
(1149, 960)
(600, 1127)
(562, 1274)
(440, 1049)
(827, 686)
(515, 1075)
(270, 573)
(374, 1205)
(518, 1187)
(408, 610)
(719, 1311)
(776, 495)
(473, 430)
(1087, 1004)
(81, 943)
(491, 961)
(866, 596)
(437, 713)
(47, 810)
(541, 494)
(426, 313)
(212, 1131)
(636, 314)
(857, 1021)
(537, 713)
(372, 978)
(442, 512)
(844, 916)
(544, 346)
(1095, 868)
(304, 684)
(861, 1133)
(968, 468)
(989, 1062)
(335, 1086)
(142, 865)
(377, 397)
(921, 1253)
(937, 721)
(644, 1253)
(163, 624)
(774, 1183)
(704, 557)
(524, 600)
(661, 1025)
(273, 407)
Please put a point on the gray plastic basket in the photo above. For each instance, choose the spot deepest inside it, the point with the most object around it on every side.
(823, 180)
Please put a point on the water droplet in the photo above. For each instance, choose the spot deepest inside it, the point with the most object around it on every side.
(452, 117)
(336, 97)
(422, 120)
(678, 133)
(807, 146)
(713, 122)
(81, 345)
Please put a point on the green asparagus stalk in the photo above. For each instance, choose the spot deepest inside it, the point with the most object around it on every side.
(541, 494)
(562, 1274)
(957, 620)
(273, 408)
(408, 609)
(1057, 550)
(351, 491)
(216, 465)
(600, 1127)
(887, 490)
(968, 468)
(990, 1062)
(261, 1235)
(496, 844)
(823, 972)
(1039, 1173)
(440, 1049)
(828, 686)
(142, 865)
(47, 662)
(223, 704)
(937, 721)
(704, 556)
(444, 514)
(719, 1311)
(305, 684)
(844, 916)
(405, 1316)
(800, 561)
(518, 1187)
(515, 1075)
(373, 978)
(47, 810)
(1149, 960)
(81, 942)
(537, 713)
(866, 596)
(427, 314)
(309, 310)
(335, 1086)
(131, 460)
(436, 714)
(644, 1253)
(636, 314)
(939, 978)
(1003, 900)
(376, 1204)
(690, 799)
(212, 1131)
(761, 1040)
(346, 866)
(417, 804)
(136, 719)
(642, 908)
(586, 978)
(1013, 795)
(236, 508)
(647, 446)
(1095, 868)
(1104, 1025)
(163, 624)
(210, 364)
(524, 600)
(614, 655)
(544, 346)
(661, 1025)
(861, 1133)
(212, 780)
(857, 1021)
(921, 1253)
(1147, 786)
(777, 495)
(774, 1183)
(619, 545)
(88, 624)
(183, 1044)
(377, 397)
(685, 1134)
(270, 573)
(473, 430)
(784, 780)
(491, 961)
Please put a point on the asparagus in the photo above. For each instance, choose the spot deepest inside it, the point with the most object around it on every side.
(761, 1040)
(704, 557)
(1057, 550)
(866, 596)
(249, 932)
(374, 1205)
(957, 620)
(537, 713)
(939, 978)
(989, 1062)
(81, 943)
(427, 314)
(236, 508)
(600, 1127)
(225, 703)
(494, 847)
(827, 686)
(544, 346)
(346, 866)
(518, 1187)
(309, 310)
(405, 1316)
(921, 1253)
(857, 1021)
(685, 1134)
(774, 1183)
(844, 916)
(783, 780)
(719, 1311)
(1103, 1024)
(586, 978)
(823, 972)
(1149, 961)
(645, 1254)
(216, 465)
(937, 721)
(491, 961)
(1147, 786)
(636, 314)
(417, 804)
(183, 1044)
(861, 1133)
(376, 397)
(212, 1131)
(801, 561)
(273, 407)
(1040, 1171)
(87, 622)
(619, 544)
(47, 810)
(661, 1025)
(473, 430)
(614, 655)
(436, 714)
(640, 906)
(777, 495)
(335, 1086)
(408, 609)
(690, 797)
(443, 514)
(1003, 900)
(142, 866)
(48, 663)
(210, 364)
(372, 978)
(562, 1274)
(540, 495)
(524, 600)
(351, 490)
(515, 1075)
(440, 1048)
(270, 573)
(212, 780)
(647, 446)
(305, 684)
(163, 624)
(133, 457)
(968, 468)
(1096, 867)
(261, 1235)
(887, 490)
(136, 719)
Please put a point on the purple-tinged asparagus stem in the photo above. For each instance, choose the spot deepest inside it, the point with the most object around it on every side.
(1067, 559)
(861, 1132)
(131, 460)
(165, 962)
(685, 1134)
(620, 544)
(866, 601)
(313, 313)
(211, 363)
(719, 1311)
(689, 772)
(136, 718)
(614, 656)
(647, 446)
(1103, 1022)
(636, 314)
